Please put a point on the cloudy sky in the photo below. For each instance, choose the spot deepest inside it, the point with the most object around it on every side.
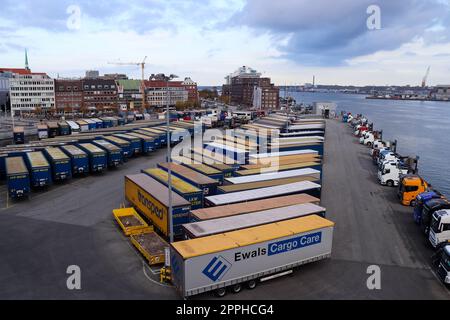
(288, 40)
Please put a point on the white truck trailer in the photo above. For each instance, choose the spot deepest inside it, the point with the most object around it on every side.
(247, 256)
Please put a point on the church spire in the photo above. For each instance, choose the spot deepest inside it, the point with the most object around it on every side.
(26, 60)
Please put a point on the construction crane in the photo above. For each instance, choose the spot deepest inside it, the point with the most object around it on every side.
(142, 65)
(424, 80)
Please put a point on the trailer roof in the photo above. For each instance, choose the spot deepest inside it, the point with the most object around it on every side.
(107, 145)
(280, 161)
(141, 136)
(222, 225)
(264, 184)
(189, 173)
(18, 129)
(262, 193)
(52, 125)
(216, 145)
(158, 190)
(274, 175)
(56, 153)
(147, 133)
(283, 153)
(285, 167)
(37, 159)
(234, 239)
(116, 140)
(220, 166)
(15, 165)
(81, 122)
(73, 150)
(92, 148)
(252, 206)
(177, 183)
(125, 136)
(202, 168)
(63, 124)
(213, 156)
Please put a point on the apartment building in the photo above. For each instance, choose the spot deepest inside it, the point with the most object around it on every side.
(32, 91)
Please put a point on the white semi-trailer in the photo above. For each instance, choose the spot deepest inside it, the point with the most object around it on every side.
(230, 260)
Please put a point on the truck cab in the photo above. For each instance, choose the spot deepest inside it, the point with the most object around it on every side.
(364, 136)
(410, 186)
(377, 145)
(441, 261)
(390, 173)
(387, 155)
(429, 208)
(421, 199)
(440, 228)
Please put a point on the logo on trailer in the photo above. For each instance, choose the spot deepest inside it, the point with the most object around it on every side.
(217, 268)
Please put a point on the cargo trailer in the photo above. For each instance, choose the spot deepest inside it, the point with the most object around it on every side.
(251, 206)
(113, 152)
(135, 143)
(98, 123)
(205, 170)
(151, 198)
(74, 127)
(19, 135)
(53, 129)
(310, 133)
(84, 126)
(107, 122)
(317, 146)
(121, 143)
(147, 143)
(42, 131)
(308, 187)
(240, 155)
(39, 168)
(208, 185)
(79, 159)
(275, 175)
(227, 224)
(161, 134)
(63, 128)
(253, 158)
(97, 157)
(317, 165)
(227, 170)
(284, 160)
(92, 125)
(209, 158)
(189, 192)
(17, 177)
(3, 157)
(157, 141)
(264, 184)
(248, 256)
(59, 162)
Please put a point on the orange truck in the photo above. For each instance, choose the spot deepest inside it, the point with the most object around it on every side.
(410, 186)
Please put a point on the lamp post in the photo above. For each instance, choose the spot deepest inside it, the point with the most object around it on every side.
(169, 159)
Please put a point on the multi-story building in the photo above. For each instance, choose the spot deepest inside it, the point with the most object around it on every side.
(99, 95)
(32, 91)
(68, 94)
(191, 87)
(441, 92)
(247, 87)
(159, 93)
(129, 94)
(92, 74)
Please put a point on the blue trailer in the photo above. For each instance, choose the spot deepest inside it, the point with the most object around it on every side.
(121, 143)
(18, 177)
(156, 137)
(113, 152)
(79, 159)
(19, 135)
(135, 143)
(3, 157)
(97, 157)
(59, 162)
(98, 123)
(39, 168)
(121, 121)
(161, 135)
(64, 128)
(147, 142)
(107, 122)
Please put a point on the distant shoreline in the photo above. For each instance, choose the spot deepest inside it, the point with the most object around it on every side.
(405, 99)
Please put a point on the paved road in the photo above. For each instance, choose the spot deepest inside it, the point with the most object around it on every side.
(72, 224)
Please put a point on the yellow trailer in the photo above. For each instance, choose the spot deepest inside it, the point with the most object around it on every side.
(151, 246)
(131, 222)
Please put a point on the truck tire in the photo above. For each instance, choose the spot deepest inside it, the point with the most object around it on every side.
(236, 288)
(413, 203)
(221, 292)
(251, 284)
(369, 144)
(390, 183)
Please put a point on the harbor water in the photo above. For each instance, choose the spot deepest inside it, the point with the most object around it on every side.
(421, 127)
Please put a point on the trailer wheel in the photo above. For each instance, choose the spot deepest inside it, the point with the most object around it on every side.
(413, 203)
(390, 183)
(251, 284)
(221, 292)
(369, 144)
(236, 288)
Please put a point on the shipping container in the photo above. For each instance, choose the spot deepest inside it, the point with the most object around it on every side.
(275, 175)
(251, 206)
(97, 157)
(189, 192)
(107, 122)
(263, 184)
(157, 140)
(161, 134)
(59, 162)
(53, 129)
(63, 128)
(92, 125)
(98, 123)
(135, 143)
(121, 143)
(74, 127)
(42, 131)
(39, 168)
(308, 187)
(246, 256)
(19, 135)
(147, 143)
(84, 126)
(17, 177)
(227, 224)
(151, 198)
(208, 185)
(79, 159)
(113, 152)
